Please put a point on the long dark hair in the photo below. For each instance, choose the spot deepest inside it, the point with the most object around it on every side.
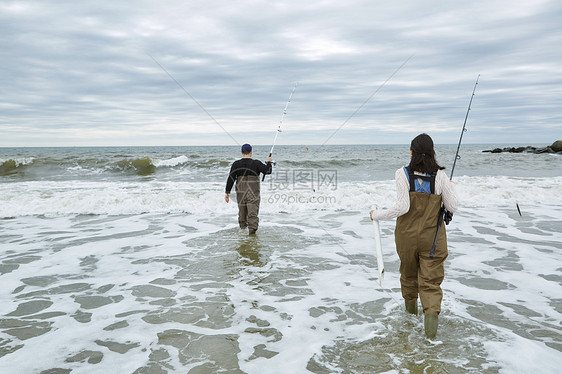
(423, 155)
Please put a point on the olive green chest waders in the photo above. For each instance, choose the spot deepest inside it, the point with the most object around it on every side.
(248, 199)
(414, 236)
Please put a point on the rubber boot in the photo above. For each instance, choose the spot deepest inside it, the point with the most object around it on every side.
(430, 323)
(411, 308)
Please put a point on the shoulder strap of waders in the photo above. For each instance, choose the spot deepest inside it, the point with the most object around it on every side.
(412, 178)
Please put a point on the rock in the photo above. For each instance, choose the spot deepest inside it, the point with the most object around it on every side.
(544, 150)
(556, 147)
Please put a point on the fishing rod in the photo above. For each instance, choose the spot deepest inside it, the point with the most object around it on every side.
(463, 129)
(444, 214)
(280, 123)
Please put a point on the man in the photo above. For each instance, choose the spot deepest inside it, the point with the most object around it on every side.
(246, 173)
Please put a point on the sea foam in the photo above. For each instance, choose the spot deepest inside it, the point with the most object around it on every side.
(175, 161)
(122, 198)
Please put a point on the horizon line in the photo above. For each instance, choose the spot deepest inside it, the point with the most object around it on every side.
(256, 145)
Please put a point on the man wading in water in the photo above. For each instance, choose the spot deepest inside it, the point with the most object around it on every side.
(246, 173)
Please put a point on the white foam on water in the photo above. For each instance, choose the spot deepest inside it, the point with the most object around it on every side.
(121, 198)
(310, 299)
(63, 198)
(519, 355)
(174, 161)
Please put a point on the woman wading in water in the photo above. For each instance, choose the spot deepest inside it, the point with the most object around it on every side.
(422, 188)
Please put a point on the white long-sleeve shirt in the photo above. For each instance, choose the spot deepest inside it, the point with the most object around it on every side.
(443, 187)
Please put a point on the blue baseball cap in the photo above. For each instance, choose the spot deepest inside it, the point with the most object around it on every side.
(246, 148)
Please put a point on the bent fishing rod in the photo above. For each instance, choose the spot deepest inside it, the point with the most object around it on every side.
(280, 123)
(444, 214)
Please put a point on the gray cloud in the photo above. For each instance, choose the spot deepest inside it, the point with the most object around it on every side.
(81, 74)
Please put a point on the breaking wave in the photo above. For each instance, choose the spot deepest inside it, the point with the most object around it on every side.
(123, 198)
(11, 166)
(45, 168)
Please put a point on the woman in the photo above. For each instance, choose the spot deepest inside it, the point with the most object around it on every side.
(422, 188)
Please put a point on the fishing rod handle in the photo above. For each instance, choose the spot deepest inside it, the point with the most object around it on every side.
(270, 154)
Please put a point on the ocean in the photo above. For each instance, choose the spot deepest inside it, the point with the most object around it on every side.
(128, 260)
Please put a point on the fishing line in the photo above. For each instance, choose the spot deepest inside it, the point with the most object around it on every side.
(368, 99)
(363, 104)
(192, 98)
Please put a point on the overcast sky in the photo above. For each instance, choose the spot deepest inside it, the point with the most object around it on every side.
(81, 73)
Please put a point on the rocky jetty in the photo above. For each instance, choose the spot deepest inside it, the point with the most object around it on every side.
(556, 147)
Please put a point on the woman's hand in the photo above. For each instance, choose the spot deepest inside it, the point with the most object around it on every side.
(375, 208)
